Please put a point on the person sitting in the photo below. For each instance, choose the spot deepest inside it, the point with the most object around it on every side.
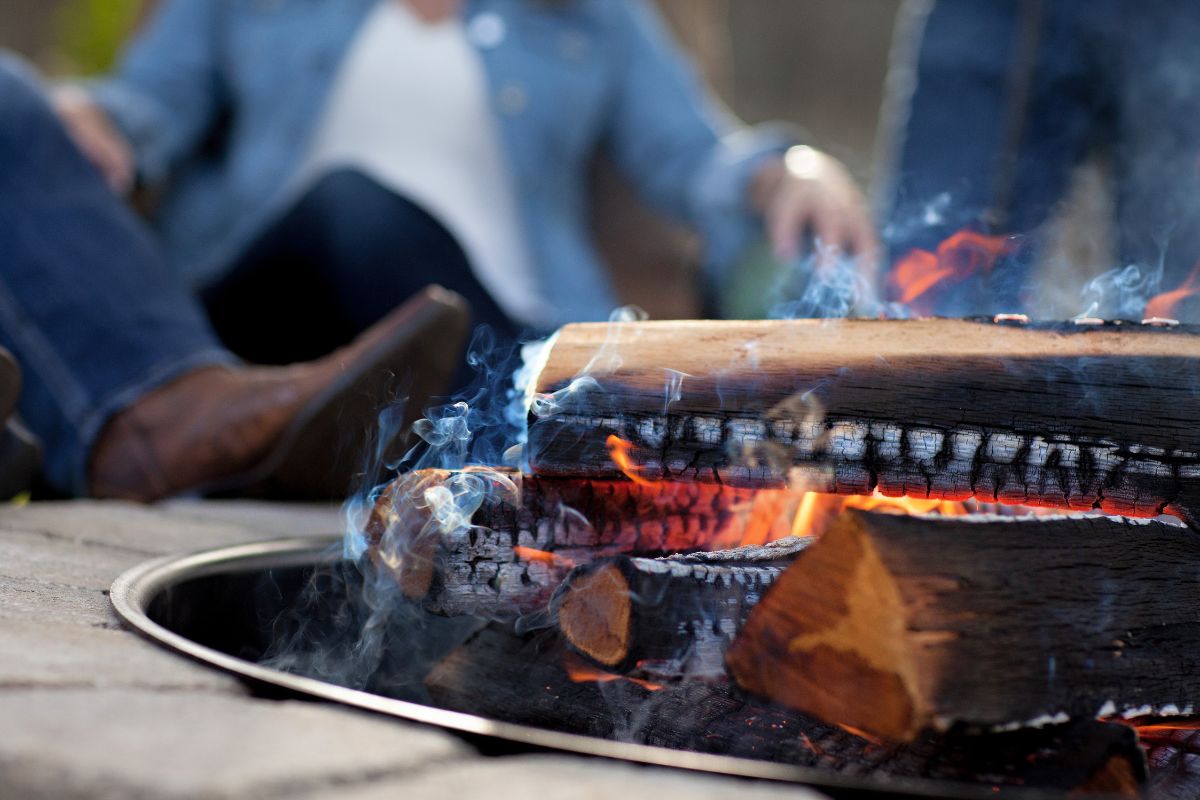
(335, 157)
(998, 102)
(130, 391)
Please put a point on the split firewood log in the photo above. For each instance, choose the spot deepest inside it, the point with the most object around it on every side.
(494, 543)
(1072, 416)
(895, 624)
(530, 680)
(671, 616)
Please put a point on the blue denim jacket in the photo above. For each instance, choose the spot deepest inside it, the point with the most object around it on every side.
(219, 98)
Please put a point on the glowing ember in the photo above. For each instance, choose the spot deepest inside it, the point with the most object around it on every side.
(542, 556)
(1165, 305)
(915, 275)
(580, 671)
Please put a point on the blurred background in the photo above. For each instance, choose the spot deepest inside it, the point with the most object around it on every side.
(818, 64)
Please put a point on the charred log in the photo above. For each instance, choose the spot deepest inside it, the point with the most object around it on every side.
(524, 680)
(1173, 755)
(671, 616)
(492, 543)
(895, 624)
(1075, 417)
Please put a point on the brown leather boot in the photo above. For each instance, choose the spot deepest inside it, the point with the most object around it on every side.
(292, 431)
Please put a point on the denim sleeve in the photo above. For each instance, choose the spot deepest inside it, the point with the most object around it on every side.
(687, 156)
(165, 92)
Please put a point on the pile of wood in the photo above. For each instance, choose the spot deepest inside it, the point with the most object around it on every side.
(966, 648)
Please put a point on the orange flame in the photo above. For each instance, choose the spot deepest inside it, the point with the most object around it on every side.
(621, 453)
(542, 556)
(1165, 305)
(580, 671)
(817, 511)
(915, 275)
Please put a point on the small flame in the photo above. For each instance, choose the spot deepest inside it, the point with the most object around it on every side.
(915, 275)
(1165, 305)
(817, 511)
(621, 453)
(580, 671)
(861, 734)
(543, 556)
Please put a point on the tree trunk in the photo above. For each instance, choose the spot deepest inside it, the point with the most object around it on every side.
(1070, 416)
(894, 624)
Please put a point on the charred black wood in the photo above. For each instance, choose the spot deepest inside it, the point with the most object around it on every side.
(895, 624)
(1173, 755)
(522, 679)
(493, 543)
(673, 616)
(1085, 418)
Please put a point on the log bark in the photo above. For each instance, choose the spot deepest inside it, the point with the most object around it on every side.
(1077, 417)
(492, 543)
(667, 617)
(894, 624)
(524, 679)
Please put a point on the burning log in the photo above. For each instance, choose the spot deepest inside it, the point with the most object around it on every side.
(492, 543)
(1173, 753)
(671, 616)
(1069, 416)
(894, 624)
(527, 680)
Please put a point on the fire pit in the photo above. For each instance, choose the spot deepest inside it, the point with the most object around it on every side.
(219, 607)
(651, 574)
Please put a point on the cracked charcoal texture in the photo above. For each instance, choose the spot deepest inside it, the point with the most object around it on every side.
(682, 610)
(1073, 418)
(474, 569)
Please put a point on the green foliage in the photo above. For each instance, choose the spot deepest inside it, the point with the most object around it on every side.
(89, 33)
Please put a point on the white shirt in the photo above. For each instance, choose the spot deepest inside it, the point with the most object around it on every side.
(410, 107)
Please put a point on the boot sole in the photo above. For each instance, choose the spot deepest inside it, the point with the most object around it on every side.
(325, 451)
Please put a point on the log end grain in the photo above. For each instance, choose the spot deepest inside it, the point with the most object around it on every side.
(595, 615)
(830, 632)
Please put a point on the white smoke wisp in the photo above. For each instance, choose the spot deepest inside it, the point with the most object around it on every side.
(1121, 293)
(824, 283)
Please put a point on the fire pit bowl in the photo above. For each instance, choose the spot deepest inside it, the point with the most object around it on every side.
(219, 606)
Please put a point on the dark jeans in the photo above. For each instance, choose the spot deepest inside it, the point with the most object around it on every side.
(91, 311)
(1011, 95)
(348, 252)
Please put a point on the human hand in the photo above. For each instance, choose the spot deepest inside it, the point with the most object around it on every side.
(95, 135)
(808, 190)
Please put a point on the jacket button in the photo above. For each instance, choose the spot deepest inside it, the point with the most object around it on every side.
(512, 99)
(486, 30)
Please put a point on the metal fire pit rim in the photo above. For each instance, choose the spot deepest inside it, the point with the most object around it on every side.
(133, 591)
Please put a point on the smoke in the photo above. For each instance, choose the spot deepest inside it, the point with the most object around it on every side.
(352, 624)
(823, 283)
(1121, 293)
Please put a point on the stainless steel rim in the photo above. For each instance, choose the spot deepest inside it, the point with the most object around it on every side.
(134, 590)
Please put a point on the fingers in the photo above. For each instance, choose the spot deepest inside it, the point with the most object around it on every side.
(96, 137)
